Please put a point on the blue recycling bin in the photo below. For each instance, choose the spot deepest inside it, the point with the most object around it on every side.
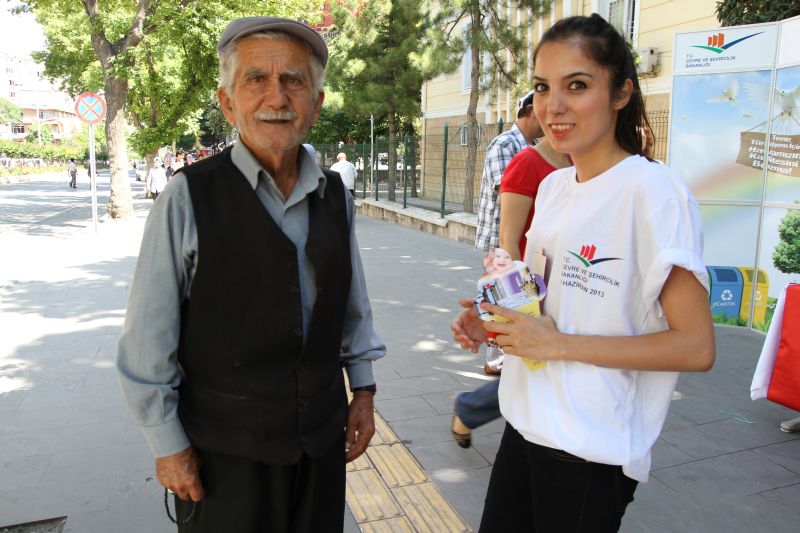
(726, 290)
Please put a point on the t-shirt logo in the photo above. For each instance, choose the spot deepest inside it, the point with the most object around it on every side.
(587, 256)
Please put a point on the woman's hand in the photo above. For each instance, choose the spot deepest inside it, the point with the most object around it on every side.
(531, 337)
(468, 328)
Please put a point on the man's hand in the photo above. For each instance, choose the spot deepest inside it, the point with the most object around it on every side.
(360, 425)
(468, 328)
(180, 473)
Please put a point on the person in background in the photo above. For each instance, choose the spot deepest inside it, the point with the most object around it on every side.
(626, 308)
(72, 171)
(347, 171)
(156, 179)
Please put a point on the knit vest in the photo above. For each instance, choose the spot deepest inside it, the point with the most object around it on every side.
(251, 387)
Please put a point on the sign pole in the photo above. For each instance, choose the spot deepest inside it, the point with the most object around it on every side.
(93, 176)
(91, 109)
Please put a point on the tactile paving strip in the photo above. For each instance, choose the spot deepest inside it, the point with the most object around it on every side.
(389, 492)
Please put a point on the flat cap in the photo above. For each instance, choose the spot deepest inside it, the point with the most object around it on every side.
(245, 26)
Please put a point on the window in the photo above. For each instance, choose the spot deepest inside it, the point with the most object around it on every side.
(622, 14)
(466, 70)
(463, 132)
(41, 114)
(18, 129)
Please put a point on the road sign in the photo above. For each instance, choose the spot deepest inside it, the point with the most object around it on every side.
(90, 108)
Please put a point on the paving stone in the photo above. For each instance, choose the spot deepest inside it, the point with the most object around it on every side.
(723, 437)
(403, 408)
(786, 454)
(719, 478)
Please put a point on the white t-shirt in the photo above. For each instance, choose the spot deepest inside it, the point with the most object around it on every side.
(610, 244)
(347, 171)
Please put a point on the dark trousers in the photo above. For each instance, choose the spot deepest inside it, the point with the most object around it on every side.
(247, 497)
(480, 406)
(73, 177)
(542, 490)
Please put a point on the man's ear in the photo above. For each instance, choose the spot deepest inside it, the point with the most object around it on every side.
(226, 105)
(623, 96)
(318, 106)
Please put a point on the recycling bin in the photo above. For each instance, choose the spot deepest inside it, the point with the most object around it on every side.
(726, 290)
(762, 291)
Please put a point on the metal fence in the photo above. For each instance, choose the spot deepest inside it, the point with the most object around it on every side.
(431, 172)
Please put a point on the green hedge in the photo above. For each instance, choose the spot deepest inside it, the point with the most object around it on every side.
(51, 153)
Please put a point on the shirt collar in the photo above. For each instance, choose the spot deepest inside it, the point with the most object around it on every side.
(309, 177)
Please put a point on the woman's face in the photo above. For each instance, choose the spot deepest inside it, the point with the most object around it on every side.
(573, 99)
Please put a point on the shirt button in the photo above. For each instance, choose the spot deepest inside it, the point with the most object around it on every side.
(298, 332)
(295, 289)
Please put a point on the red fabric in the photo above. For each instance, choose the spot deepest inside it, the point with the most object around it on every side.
(784, 388)
(523, 175)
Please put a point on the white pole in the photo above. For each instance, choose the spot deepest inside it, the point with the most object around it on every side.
(93, 176)
(371, 154)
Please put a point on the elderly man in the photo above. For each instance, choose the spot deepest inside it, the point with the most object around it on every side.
(347, 171)
(247, 301)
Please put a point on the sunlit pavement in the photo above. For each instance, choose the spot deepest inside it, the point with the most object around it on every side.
(68, 446)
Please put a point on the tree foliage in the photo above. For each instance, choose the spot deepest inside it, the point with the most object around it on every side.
(786, 256)
(9, 113)
(373, 65)
(36, 130)
(737, 12)
(154, 60)
(480, 31)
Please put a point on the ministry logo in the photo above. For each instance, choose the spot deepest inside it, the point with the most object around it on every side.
(716, 43)
(587, 256)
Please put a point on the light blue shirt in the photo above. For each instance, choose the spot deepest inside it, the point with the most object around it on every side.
(147, 357)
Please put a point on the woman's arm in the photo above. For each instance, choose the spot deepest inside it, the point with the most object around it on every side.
(514, 209)
(687, 344)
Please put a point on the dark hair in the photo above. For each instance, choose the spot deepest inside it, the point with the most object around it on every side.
(605, 46)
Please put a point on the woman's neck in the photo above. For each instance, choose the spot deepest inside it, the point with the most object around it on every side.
(553, 158)
(589, 165)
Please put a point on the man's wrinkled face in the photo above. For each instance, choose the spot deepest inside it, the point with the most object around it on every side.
(271, 100)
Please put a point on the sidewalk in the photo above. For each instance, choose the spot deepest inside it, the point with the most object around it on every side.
(68, 446)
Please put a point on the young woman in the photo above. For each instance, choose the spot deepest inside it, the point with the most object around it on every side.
(627, 304)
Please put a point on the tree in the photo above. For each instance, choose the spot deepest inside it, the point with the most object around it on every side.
(45, 130)
(372, 63)
(9, 113)
(487, 33)
(786, 256)
(105, 43)
(736, 12)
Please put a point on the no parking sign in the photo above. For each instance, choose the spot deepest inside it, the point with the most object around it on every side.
(91, 109)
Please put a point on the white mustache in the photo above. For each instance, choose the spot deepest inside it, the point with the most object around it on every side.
(275, 115)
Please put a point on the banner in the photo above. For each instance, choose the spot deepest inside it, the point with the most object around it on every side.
(784, 152)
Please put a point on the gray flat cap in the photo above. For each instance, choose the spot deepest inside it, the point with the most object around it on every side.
(245, 26)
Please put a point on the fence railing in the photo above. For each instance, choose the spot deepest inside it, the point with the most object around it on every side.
(431, 172)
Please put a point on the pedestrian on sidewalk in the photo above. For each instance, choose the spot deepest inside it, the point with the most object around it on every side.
(231, 360)
(156, 179)
(72, 171)
(347, 171)
(626, 308)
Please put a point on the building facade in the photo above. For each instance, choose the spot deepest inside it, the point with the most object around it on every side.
(650, 26)
(41, 102)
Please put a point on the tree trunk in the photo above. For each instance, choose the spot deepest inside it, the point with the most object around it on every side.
(120, 201)
(472, 122)
(392, 180)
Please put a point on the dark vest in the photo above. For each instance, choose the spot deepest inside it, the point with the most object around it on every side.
(251, 387)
